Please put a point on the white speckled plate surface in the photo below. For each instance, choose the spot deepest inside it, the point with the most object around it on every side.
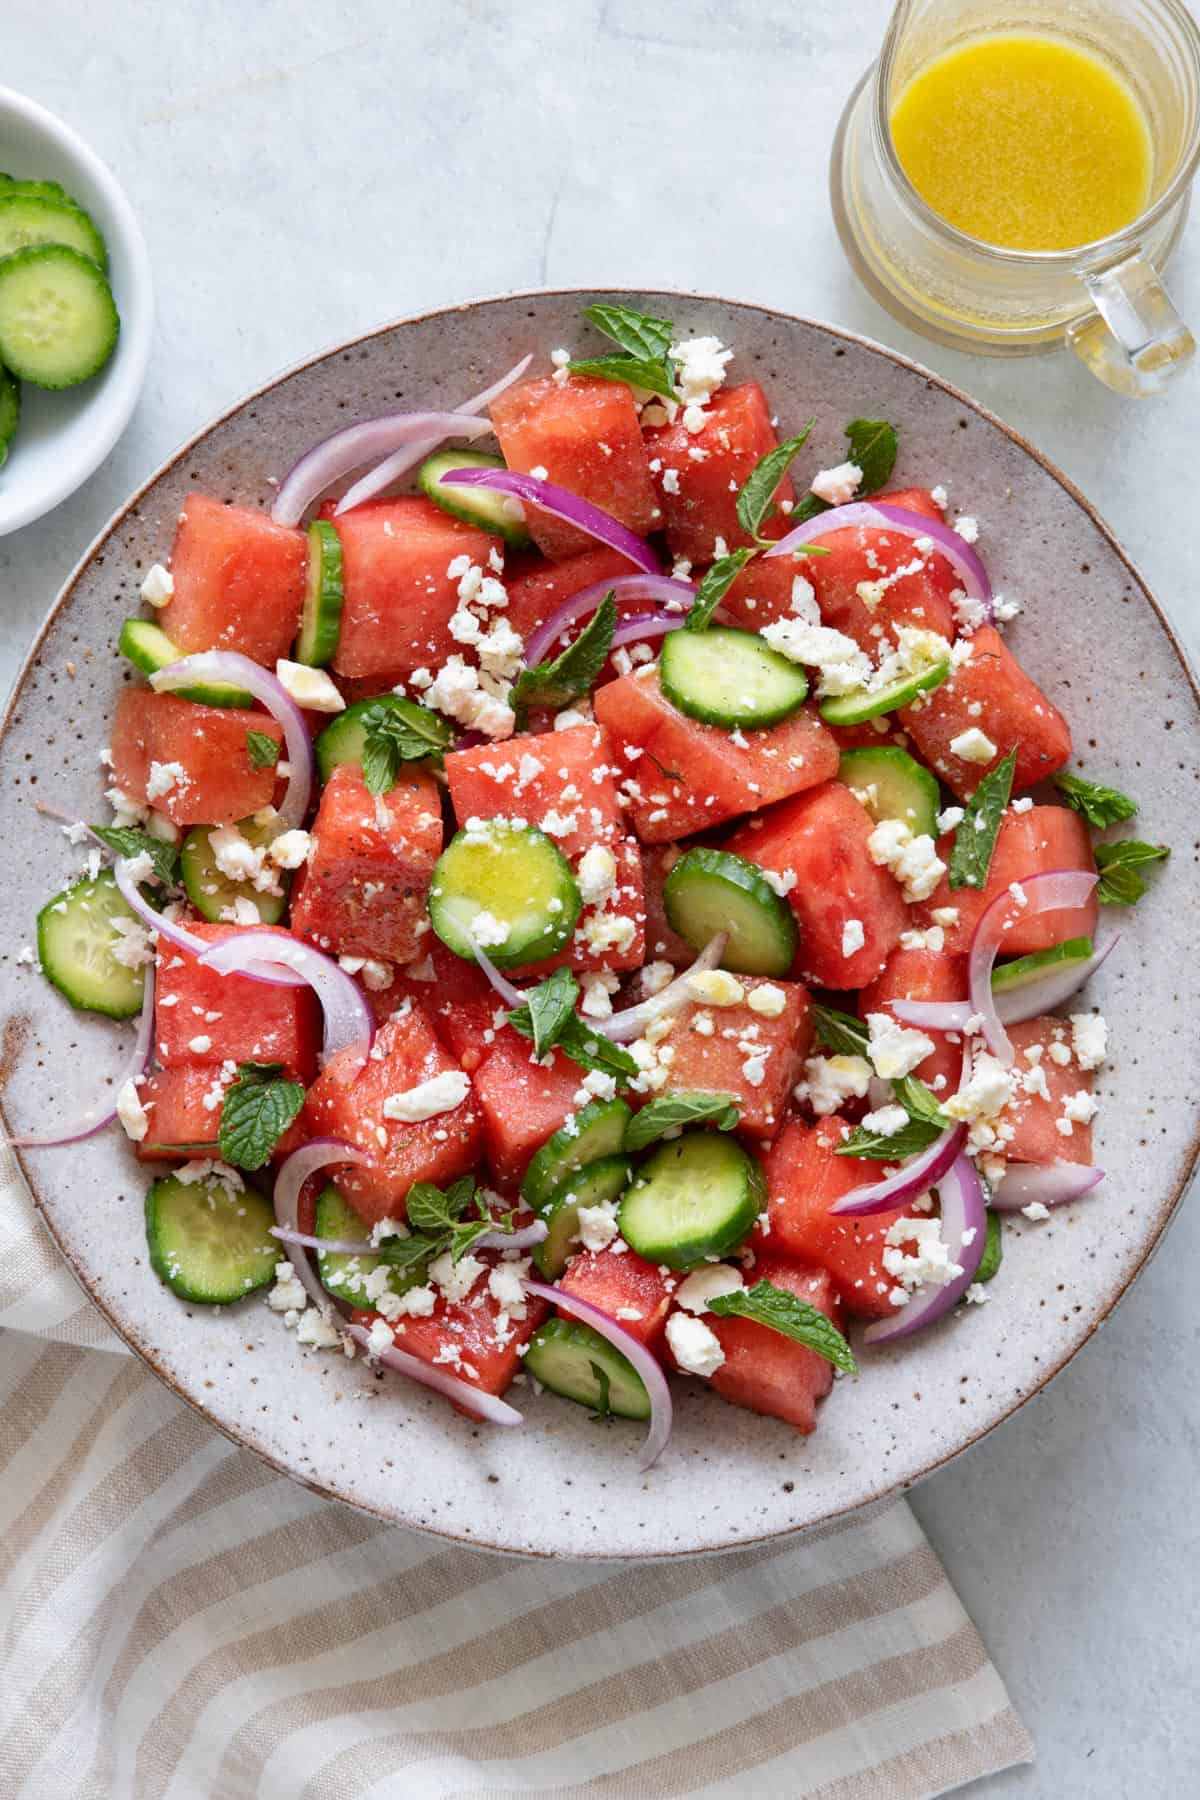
(1092, 635)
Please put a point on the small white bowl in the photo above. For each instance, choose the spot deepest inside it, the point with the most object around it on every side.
(63, 437)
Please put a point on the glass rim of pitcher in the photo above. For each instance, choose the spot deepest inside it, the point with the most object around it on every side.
(1094, 249)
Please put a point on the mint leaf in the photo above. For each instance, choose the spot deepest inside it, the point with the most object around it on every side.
(432, 1209)
(1100, 806)
(636, 371)
(637, 333)
(975, 838)
(258, 1107)
(755, 503)
(713, 588)
(398, 731)
(128, 841)
(546, 1011)
(794, 1318)
(919, 1102)
(872, 447)
(670, 1110)
(262, 750)
(993, 1250)
(917, 1135)
(840, 1032)
(561, 679)
(1120, 884)
(592, 1050)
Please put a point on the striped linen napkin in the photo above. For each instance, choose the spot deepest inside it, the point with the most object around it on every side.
(181, 1623)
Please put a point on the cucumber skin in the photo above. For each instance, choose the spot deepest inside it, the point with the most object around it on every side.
(150, 660)
(679, 644)
(690, 1252)
(548, 1171)
(161, 1259)
(22, 262)
(474, 506)
(908, 769)
(56, 206)
(10, 412)
(555, 934)
(1015, 974)
(856, 709)
(738, 873)
(195, 850)
(610, 1173)
(321, 620)
(48, 921)
(586, 1342)
(341, 741)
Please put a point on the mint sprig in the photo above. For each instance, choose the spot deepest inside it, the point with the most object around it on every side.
(559, 680)
(871, 444)
(437, 1219)
(1101, 806)
(840, 1032)
(713, 588)
(1120, 883)
(792, 1317)
(398, 731)
(129, 842)
(262, 750)
(756, 501)
(548, 1016)
(259, 1105)
(975, 838)
(644, 342)
(669, 1112)
(993, 1249)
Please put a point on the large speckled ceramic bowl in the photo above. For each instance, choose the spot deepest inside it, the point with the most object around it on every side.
(565, 1486)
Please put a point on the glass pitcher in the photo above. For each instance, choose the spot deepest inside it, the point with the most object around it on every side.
(1105, 299)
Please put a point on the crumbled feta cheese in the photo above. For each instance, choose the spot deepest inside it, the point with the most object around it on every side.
(984, 1094)
(655, 977)
(967, 528)
(853, 936)
(1024, 805)
(456, 1279)
(1089, 1037)
(973, 746)
(894, 1049)
(507, 1287)
(488, 931)
(700, 364)
(380, 1338)
(886, 1122)
(290, 849)
(1081, 1107)
(598, 990)
(945, 915)
(597, 1225)
(439, 1094)
(1036, 1211)
(597, 875)
(768, 1001)
(131, 1112)
(318, 1332)
(703, 1285)
(670, 481)
(828, 1080)
(310, 688)
(844, 668)
(132, 949)
(608, 931)
(837, 486)
(158, 585)
(288, 1294)
(716, 987)
(950, 818)
(930, 1261)
(163, 778)
(596, 1085)
(976, 1294)
(696, 1349)
(912, 860)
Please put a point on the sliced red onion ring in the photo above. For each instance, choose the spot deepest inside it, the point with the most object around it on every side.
(401, 461)
(511, 996)
(1048, 892)
(876, 514)
(92, 1121)
(181, 937)
(335, 456)
(964, 1212)
(526, 1238)
(564, 505)
(912, 1178)
(635, 1352)
(1050, 1184)
(623, 1027)
(485, 1406)
(672, 593)
(348, 1021)
(640, 626)
(232, 666)
(1029, 1001)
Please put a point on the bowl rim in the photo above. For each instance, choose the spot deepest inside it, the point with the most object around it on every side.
(888, 1489)
(137, 315)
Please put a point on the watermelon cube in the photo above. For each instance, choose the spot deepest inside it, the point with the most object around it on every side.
(698, 474)
(1028, 843)
(663, 943)
(877, 578)
(189, 761)
(630, 1290)
(611, 933)
(565, 782)
(203, 1019)
(461, 1002)
(183, 1113)
(922, 975)
(1049, 1090)
(755, 1056)
(523, 1102)
(365, 886)
(476, 1338)
(819, 839)
(239, 581)
(585, 435)
(989, 693)
(684, 777)
(767, 1372)
(539, 588)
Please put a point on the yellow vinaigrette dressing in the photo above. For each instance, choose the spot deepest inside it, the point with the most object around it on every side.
(1024, 141)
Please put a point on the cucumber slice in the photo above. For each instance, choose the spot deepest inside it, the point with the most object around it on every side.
(596, 1132)
(346, 1276)
(596, 1182)
(696, 1197)
(857, 708)
(209, 1241)
(1024, 969)
(892, 785)
(572, 1360)
(732, 678)
(150, 649)
(76, 937)
(502, 876)
(10, 412)
(212, 893)
(713, 890)
(321, 620)
(344, 740)
(58, 322)
(478, 506)
(29, 218)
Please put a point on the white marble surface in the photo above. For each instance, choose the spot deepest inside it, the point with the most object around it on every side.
(302, 174)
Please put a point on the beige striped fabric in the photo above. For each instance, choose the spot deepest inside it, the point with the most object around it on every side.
(180, 1623)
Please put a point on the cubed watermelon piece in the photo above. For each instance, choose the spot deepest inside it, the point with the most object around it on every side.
(365, 885)
(913, 499)
(989, 692)
(205, 1019)
(565, 782)
(347, 1102)
(698, 474)
(460, 1002)
(1043, 1131)
(682, 777)
(1028, 843)
(663, 943)
(201, 752)
(804, 1178)
(736, 1050)
(767, 1372)
(923, 975)
(523, 1102)
(538, 588)
(398, 597)
(630, 1290)
(183, 1113)
(900, 584)
(239, 581)
(470, 1338)
(584, 435)
(611, 933)
(820, 839)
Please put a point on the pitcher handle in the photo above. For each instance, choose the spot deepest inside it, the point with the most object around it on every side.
(1135, 341)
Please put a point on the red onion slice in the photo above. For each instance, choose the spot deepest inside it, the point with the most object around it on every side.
(511, 996)
(93, 1121)
(402, 460)
(485, 1406)
(644, 1361)
(874, 515)
(525, 1239)
(1050, 1184)
(964, 1211)
(348, 1021)
(564, 505)
(623, 1027)
(1029, 1001)
(640, 626)
(1049, 892)
(664, 588)
(335, 456)
(181, 937)
(232, 666)
(912, 1179)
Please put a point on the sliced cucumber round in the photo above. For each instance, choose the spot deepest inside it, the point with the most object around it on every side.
(574, 1361)
(508, 888)
(857, 708)
(210, 1241)
(77, 935)
(58, 321)
(346, 1276)
(150, 649)
(212, 893)
(1024, 969)
(713, 890)
(727, 677)
(29, 218)
(321, 619)
(10, 412)
(595, 1133)
(591, 1185)
(696, 1197)
(344, 740)
(892, 785)
(478, 506)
